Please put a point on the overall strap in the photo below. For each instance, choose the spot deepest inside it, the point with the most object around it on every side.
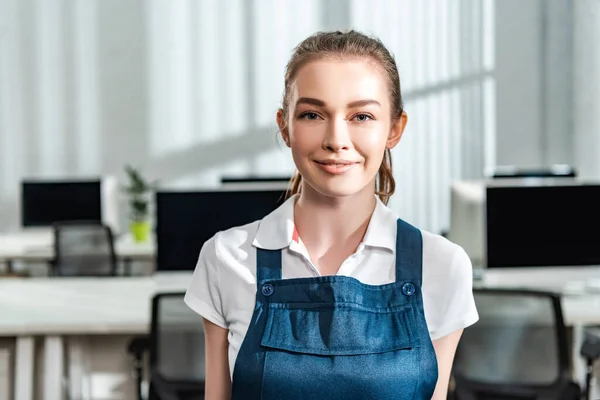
(409, 252)
(268, 265)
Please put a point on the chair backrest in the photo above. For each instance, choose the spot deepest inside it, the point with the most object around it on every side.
(83, 249)
(177, 356)
(517, 349)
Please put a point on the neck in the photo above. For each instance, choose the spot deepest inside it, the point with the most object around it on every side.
(325, 222)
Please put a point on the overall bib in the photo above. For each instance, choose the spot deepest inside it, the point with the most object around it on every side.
(333, 337)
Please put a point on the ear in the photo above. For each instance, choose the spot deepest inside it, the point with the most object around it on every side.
(282, 124)
(396, 131)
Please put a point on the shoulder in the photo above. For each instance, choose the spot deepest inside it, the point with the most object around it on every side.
(447, 286)
(440, 255)
(223, 258)
(231, 245)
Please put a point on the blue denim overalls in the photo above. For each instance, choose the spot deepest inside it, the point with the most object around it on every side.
(333, 337)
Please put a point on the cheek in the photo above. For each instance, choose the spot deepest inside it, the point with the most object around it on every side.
(371, 146)
(305, 140)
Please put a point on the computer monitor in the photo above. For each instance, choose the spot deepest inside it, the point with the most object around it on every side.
(547, 226)
(44, 202)
(186, 220)
(512, 172)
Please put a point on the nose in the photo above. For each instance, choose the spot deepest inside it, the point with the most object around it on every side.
(337, 137)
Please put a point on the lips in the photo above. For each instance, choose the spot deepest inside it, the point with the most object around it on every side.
(335, 167)
(340, 163)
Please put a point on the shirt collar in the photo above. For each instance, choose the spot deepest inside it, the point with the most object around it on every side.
(381, 231)
(277, 230)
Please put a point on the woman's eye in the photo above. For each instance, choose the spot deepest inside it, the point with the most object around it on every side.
(363, 117)
(310, 115)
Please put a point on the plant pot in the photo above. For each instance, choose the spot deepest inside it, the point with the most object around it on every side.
(140, 230)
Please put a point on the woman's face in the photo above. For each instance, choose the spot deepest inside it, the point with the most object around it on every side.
(339, 125)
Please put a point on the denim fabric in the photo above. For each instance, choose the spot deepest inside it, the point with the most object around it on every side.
(333, 337)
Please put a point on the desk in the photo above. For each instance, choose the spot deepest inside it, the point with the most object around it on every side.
(38, 245)
(108, 306)
(120, 305)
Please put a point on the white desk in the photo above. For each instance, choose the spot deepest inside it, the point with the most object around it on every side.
(38, 245)
(36, 307)
(120, 305)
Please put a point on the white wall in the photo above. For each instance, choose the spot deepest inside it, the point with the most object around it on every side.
(518, 66)
(547, 70)
(587, 87)
(557, 111)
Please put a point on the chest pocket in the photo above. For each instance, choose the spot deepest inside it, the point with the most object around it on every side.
(340, 329)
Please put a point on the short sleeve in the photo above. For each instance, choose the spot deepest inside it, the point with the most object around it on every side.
(203, 294)
(448, 295)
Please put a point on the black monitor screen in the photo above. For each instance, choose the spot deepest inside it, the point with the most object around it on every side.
(543, 226)
(185, 220)
(46, 202)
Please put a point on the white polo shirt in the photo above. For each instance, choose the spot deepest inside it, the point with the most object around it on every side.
(223, 287)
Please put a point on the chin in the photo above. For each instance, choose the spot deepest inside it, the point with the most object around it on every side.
(336, 187)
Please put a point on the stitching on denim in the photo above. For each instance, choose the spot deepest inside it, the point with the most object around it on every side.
(337, 349)
(348, 305)
(343, 279)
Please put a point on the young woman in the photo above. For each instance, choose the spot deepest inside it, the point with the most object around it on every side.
(332, 296)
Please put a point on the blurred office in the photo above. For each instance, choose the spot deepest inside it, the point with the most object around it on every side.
(503, 98)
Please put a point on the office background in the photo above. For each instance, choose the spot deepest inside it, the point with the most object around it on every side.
(188, 90)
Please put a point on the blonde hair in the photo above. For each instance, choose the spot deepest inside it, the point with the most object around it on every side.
(343, 45)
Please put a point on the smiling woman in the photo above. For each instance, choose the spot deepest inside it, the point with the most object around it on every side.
(365, 74)
(350, 125)
(332, 296)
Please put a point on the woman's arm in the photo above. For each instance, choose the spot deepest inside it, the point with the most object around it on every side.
(218, 381)
(445, 348)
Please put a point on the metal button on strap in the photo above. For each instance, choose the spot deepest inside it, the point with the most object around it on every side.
(267, 289)
(408, 289)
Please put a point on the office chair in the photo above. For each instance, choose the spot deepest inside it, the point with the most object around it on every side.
(517, 350)
(83, 249)
(590, 351)
(176, 347)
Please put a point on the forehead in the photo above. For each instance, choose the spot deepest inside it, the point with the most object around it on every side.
(341, 81)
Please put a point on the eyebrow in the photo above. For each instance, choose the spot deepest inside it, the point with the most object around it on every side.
(321, 103)
(362, 103)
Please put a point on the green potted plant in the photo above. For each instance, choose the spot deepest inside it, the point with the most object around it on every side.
(139, 191)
